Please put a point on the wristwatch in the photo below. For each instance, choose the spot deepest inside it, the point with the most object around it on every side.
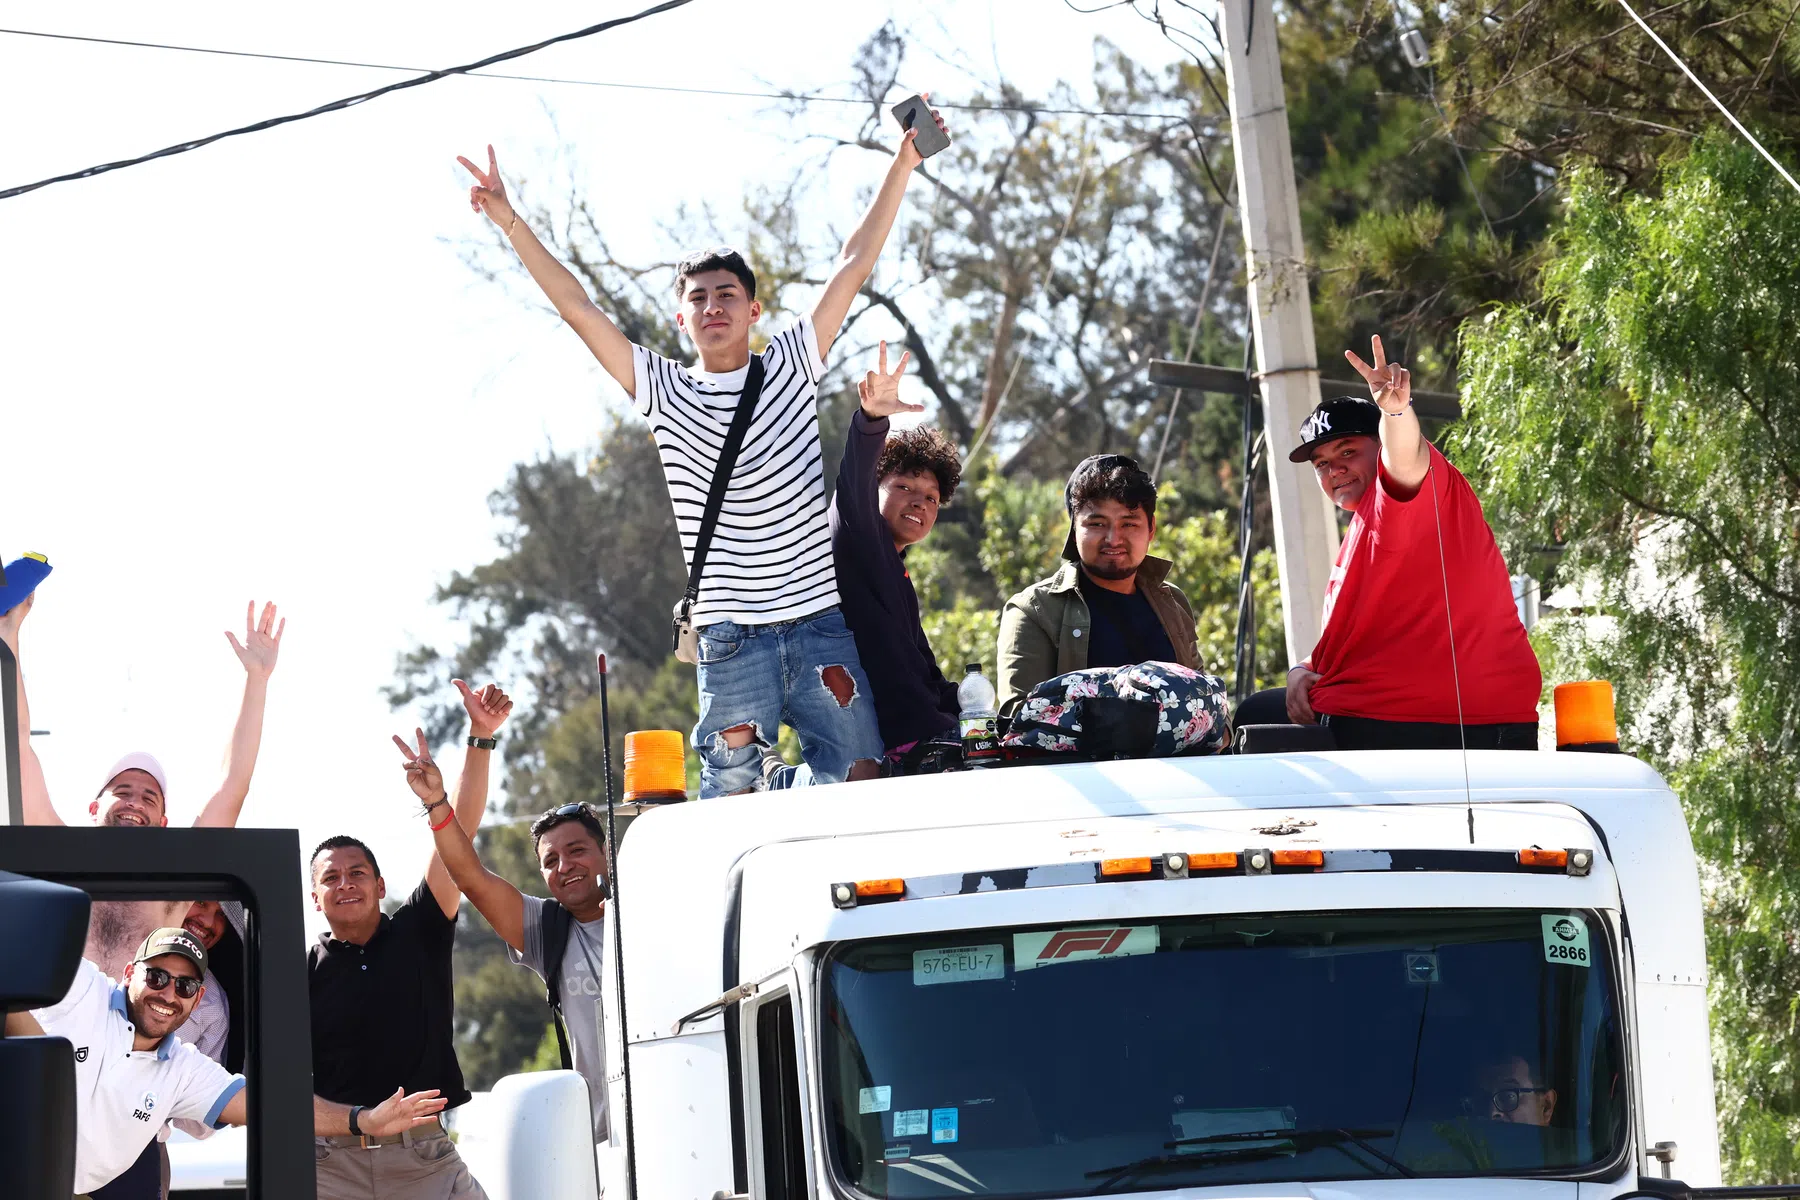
(355, 1112)
(481, 743)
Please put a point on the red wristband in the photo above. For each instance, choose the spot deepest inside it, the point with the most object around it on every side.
(447, 819)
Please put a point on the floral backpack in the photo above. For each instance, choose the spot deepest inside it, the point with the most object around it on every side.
(1142, 710)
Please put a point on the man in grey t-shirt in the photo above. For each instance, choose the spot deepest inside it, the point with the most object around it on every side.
(583, 957)
(570, 847)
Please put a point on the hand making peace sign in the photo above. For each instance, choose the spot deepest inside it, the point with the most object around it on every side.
(880, 391)
(1391, 385)
(488, 195)
(422, 774)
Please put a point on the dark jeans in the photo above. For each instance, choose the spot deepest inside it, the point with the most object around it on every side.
(1366, 733)
(142, 1180)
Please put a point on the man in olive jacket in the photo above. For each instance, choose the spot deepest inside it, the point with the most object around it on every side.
(1110, 603)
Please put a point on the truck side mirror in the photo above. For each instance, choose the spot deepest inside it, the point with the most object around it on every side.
(42, 929)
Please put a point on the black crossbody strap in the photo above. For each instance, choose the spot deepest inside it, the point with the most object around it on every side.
(715, 495)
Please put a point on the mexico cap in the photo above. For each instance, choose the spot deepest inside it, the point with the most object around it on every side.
(172, 941)
(1340, 416)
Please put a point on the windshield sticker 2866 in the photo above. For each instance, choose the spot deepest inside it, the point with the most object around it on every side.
(1566, 940)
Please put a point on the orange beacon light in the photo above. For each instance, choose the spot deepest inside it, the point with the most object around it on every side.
(1584, 717)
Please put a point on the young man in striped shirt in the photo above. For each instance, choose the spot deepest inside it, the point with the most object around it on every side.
(773, 643)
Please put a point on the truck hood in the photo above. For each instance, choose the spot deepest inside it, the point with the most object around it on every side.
(1379, 1189)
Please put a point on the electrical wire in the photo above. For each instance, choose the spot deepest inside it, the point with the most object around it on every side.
(1707, 92)
(346, 102)
(794, 97)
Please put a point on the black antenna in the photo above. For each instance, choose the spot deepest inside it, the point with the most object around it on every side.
(1462, 732)
(612, 873)
(9, 718)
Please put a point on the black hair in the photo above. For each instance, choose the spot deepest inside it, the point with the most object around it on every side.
(916, 451)
(584, 817)
(1111, 477)
(719, 258)
(339, 842)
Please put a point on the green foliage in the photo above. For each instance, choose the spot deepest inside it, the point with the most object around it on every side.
(1024, 526)
(968, 632)
(1638, 418)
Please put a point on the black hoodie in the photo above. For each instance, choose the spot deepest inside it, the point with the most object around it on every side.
(913, 700)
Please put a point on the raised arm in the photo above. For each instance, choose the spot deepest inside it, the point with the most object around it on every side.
(34, 795)
(487, 710)
(258, 651)
(857, 260)
(1404, 454)
(559, 284)
(856, 500)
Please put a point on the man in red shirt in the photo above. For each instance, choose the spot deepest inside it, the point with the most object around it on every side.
(1421, 633)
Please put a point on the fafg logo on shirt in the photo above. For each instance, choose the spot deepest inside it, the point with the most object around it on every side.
(145, 1107)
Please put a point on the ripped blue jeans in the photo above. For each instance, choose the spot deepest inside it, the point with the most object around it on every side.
(803, 672)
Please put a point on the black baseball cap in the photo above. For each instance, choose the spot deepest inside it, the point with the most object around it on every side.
(172, 941)
(1340, 416)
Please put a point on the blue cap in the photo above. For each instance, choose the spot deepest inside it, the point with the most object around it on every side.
(20, 579)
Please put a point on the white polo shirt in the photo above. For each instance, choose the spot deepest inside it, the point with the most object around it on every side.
(124, 1096)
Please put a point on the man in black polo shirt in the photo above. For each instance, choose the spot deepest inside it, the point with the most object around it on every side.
(382, 999)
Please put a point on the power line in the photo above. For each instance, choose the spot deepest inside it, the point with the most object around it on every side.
(1707, 92)
(793, 97)
(346, 102)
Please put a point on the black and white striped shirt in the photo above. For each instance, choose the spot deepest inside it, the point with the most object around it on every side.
(771, 553)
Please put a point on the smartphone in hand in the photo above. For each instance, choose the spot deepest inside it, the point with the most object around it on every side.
(914, 113)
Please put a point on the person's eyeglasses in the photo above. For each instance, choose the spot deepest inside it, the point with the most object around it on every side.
(1505, 1100)
(567, 810)
(186, 986)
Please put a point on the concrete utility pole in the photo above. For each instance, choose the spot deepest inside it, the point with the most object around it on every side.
(1306, 534)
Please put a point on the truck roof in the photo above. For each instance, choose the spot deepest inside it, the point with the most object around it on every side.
(682, 869)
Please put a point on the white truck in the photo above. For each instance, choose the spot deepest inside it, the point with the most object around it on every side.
(1333, 974)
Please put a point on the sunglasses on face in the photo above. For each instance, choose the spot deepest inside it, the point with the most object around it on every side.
(156, 979)
(1505, 1100)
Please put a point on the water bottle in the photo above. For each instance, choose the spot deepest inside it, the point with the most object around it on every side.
(975, 697)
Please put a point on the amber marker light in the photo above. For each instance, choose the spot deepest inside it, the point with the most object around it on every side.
(1544, 858)
(1299, 858)
(1223, 861)
(1125, 866)
(866, 888)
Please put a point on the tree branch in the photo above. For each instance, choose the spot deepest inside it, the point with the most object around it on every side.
(1693, 522)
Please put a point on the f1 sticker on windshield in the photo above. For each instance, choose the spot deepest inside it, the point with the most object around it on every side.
(943, 1125)
(1047, 946)
(875, 1099)
(1566, 940)
(958, 964)
(912, 1122)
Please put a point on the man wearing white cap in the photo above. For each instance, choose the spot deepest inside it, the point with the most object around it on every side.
(133, 793)
(133, 1076)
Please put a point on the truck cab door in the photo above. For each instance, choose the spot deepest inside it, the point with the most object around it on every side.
(775, 1110)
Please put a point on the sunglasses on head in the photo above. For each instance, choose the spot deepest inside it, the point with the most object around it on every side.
(567, 810)
(186, 986)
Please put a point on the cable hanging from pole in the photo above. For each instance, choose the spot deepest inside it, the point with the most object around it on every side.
(346, 102)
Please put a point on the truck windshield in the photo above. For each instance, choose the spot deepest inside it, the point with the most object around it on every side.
(1182, 1052)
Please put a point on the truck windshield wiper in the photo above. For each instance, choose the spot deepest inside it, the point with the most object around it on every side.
(1307, 1139)
(1230, 1147)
